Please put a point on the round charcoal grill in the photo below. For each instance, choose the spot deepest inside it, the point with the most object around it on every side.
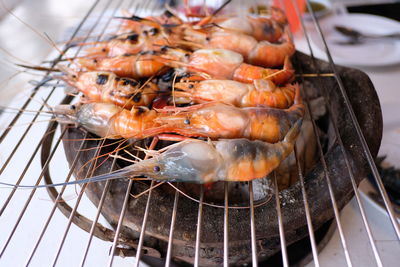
(229, 223)
(165, 197)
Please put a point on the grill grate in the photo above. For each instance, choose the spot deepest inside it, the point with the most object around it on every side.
(117, 237)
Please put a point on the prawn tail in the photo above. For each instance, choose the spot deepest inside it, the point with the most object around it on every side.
(291, 136)
(287, 64)
(297, 96)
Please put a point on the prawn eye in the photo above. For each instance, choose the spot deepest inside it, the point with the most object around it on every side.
(101, 79)
(73, 107)
(157, 168)
(168, 14)
(125, 82)
(164, 48)
(190, 86)
(186, 121)
(133, 37)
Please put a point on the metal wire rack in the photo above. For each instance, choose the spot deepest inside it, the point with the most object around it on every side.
(15, 142)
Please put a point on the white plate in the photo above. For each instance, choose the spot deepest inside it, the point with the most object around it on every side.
(370, 53)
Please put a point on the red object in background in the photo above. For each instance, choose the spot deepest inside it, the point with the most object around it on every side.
(290, 9)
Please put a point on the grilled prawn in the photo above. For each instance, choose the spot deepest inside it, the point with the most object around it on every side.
(133, 66)
(218, 120)
(260, 93)
(213, 120)
(201, 162)
(226, 64)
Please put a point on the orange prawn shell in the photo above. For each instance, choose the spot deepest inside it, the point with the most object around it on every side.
(247, 73)
(249, 169)
(219, 63)
(238, 42)
(217, 120)
(131, 124)
(265, 29)
(267, 54)
(260, 93)
(126, 66)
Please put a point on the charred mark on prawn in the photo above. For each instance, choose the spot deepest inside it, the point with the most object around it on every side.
(141, 110)
(168, 14)
(102, 79)
(137, 97)
(168, 75)
(268, 28)
(133, 37)
(164, 48)
(244, 149)
(153, 31)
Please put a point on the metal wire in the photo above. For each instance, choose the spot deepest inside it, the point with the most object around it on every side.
(198, 230)
(226, 225)
(171, 230)
(307, 211)
(280, 222)
(253, 227)
(354, 185)
(357, 127)
(362, 211)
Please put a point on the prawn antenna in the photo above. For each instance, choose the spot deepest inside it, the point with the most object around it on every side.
(103, 177)
(38, 68)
